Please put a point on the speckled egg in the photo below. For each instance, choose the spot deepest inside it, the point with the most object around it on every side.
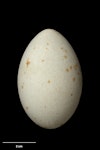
(49, 80)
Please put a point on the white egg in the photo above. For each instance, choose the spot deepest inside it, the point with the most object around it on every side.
(49, 80)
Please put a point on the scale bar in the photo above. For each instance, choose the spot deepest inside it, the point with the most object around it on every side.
(19, 142)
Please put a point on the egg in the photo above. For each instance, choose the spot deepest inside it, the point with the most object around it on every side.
(49, 80)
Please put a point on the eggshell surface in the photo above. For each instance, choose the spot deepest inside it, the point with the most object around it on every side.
(49, 80)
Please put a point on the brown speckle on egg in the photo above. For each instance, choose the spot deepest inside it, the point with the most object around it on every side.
(65, 57)
(75, 66)
(27, 107)
(46, 48)
(70, 67)
(71, 94)
(74, 79)
(78, 73)
(42, 60)
(22, 86)
(47, 43)
(27, 62)
(45, 106)
(62, 48)
(49, 81)
(67, 69)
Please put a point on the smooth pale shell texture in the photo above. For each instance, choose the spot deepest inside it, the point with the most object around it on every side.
(49, 80)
